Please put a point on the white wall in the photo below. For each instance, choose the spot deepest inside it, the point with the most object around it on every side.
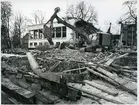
(68, 37)
(36, 41)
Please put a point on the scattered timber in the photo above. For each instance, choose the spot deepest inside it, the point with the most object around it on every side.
(102, 88)
(96, 95)
(112, 81)
(54, 66)
(19, 93)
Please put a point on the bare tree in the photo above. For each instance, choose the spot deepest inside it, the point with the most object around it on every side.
(19, 27)
(131, 14)
(82, 11)
(129, 17)
(38, 17)
(6, 12)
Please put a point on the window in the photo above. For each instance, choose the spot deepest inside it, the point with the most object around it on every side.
(35, 44)
(40, 34)
(58, 32)
(35, 34)
(53, 35)
(31, 44)
(64, 31)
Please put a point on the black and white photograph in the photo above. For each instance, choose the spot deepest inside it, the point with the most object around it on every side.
(69, 52)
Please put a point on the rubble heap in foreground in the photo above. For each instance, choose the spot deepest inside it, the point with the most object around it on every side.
(104, 78)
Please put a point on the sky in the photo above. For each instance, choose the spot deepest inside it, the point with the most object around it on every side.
(107, 10)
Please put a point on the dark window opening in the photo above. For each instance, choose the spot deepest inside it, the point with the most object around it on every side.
(64, 34)
(35, 34)
(58, 32)
(58, 29)
(58, 35)
(64, 31)
(35, 44)
(31, 44)
(64, 28)
(40, 34)
(53, 35)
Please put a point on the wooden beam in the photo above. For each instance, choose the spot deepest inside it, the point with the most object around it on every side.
(24, 92)
(101, 87)
(96, 95)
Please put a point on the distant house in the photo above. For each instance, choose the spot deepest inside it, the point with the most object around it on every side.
(24, 41)
(129, 32)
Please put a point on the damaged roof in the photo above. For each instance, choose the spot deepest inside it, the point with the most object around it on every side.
(89, 28)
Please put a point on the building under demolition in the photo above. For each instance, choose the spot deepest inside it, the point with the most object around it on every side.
(61, 34)
(129, 32)
(70, 62)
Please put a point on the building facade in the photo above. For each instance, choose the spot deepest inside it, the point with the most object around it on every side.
(129, 32)
(61, 34)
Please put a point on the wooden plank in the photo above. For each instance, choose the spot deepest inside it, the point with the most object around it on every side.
(33, 63)
(105, 59)
(45, 97)
(55, 77)
(49, 95)
(102, 76)
(5, 99)
(10, 55)
(54, 66)
(115, 81)
(95, 94)
(91, 97)
(72, 70)
(25, 93)
(100, 87)
(105, 72)
(121, 56)
(109, 62)
(11, 99)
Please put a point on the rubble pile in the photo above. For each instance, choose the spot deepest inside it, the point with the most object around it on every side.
(15, 51)
(130, 60)
(71, 55)
(17, 62)
(101, 77)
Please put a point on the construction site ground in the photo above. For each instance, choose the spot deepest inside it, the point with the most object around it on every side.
(111, 79)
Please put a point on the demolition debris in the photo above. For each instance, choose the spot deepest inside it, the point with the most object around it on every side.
(89, 71)
(69, 76)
